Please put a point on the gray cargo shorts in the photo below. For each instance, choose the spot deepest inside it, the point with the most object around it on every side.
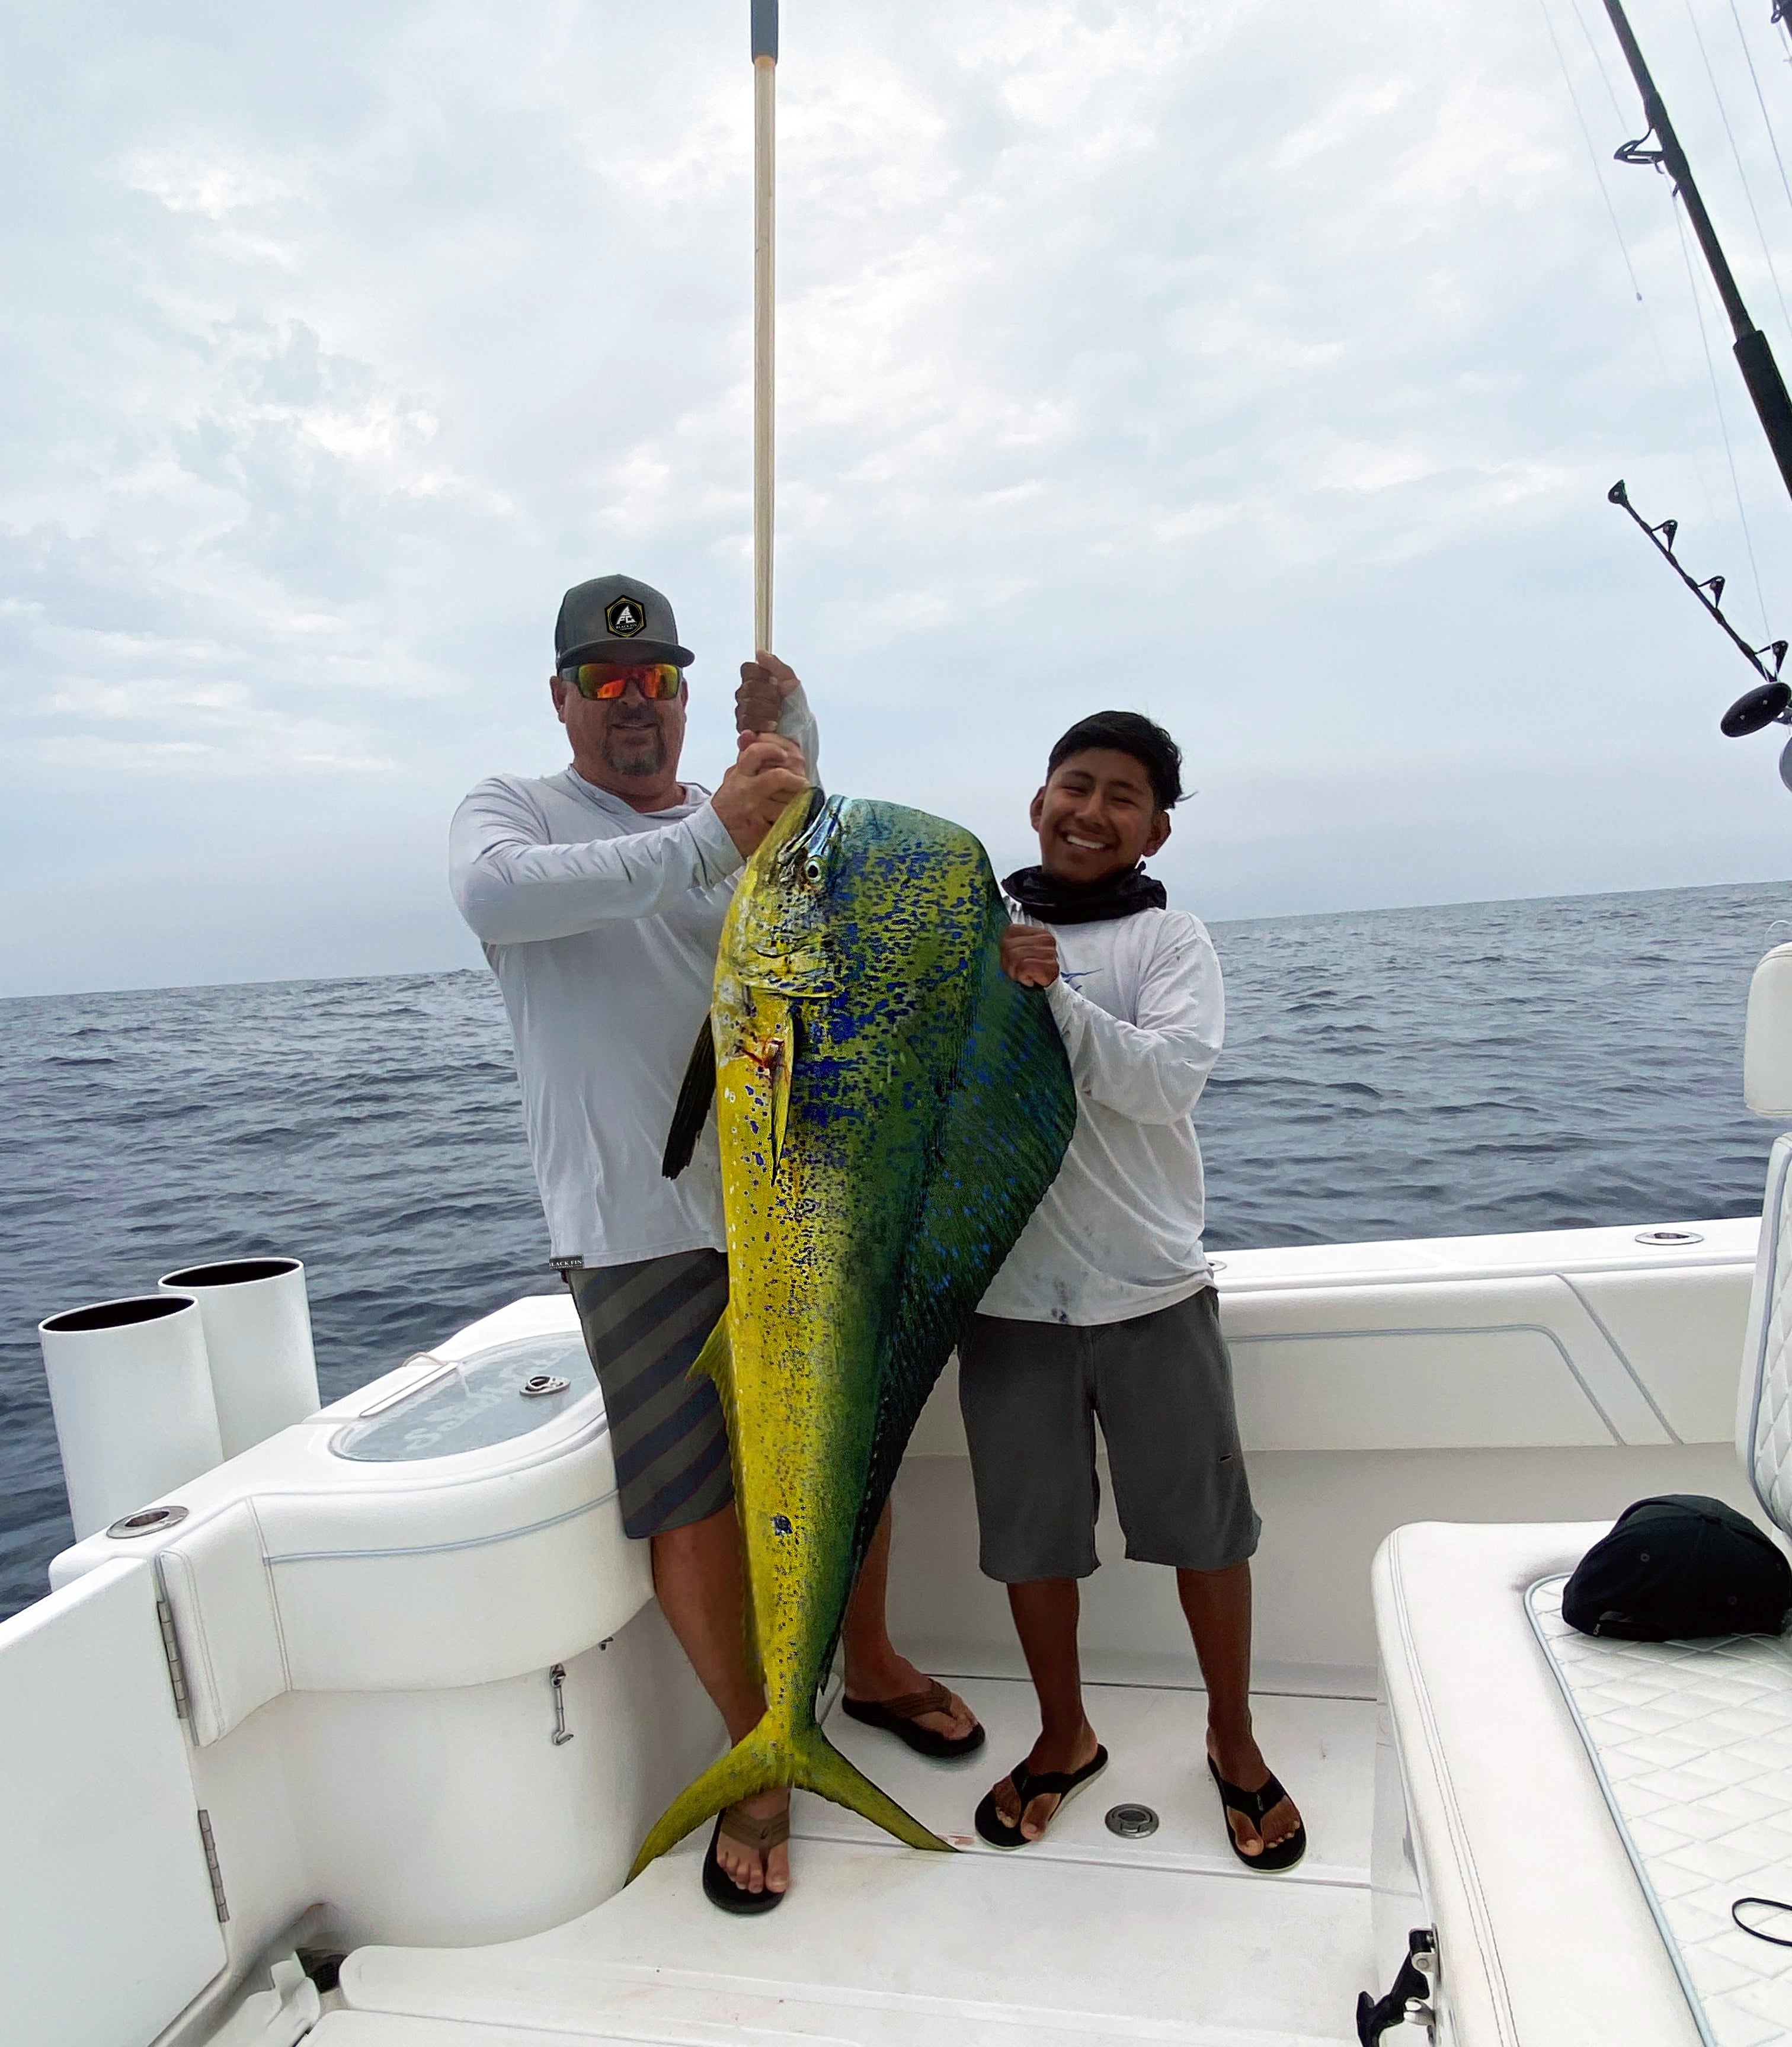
(644, 1325)
(1161, 1386)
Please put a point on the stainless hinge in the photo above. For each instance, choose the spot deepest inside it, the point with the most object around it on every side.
(171, 1649)
(212, 1870)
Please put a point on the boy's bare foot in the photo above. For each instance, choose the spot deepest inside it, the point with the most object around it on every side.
(1048, 1758)
(752, 1869)
(1240, 1761)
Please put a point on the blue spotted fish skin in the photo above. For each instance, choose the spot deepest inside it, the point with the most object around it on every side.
(892, 1108)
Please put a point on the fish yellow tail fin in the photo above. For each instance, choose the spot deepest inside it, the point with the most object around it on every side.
(766, 1758)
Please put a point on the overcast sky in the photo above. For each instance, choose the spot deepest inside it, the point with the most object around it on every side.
(1262, 368)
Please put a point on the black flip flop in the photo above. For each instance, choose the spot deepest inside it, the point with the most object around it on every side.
(719, 1887)
(898, 1716)
(1031, 1784)
(1255, 1806)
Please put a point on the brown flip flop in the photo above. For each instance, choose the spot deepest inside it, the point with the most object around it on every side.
(719, 1887)
(898, 1716)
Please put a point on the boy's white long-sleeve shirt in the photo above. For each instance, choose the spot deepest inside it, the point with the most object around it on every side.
(601, 923)
(1141, 1008)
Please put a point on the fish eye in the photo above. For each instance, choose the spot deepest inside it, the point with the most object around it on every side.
(812, 870)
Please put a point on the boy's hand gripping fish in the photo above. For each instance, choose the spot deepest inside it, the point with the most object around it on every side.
(892, 1108)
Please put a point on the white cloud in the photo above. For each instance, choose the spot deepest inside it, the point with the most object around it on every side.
(1267, 372)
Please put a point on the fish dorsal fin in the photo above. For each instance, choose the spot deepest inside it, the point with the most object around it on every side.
(692, 1110)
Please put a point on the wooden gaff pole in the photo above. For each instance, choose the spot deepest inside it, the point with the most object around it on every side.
(764, 155)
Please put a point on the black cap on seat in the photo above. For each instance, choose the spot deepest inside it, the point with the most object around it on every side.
(1677, 1566)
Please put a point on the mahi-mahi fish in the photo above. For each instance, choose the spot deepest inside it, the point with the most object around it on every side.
(892, 1108)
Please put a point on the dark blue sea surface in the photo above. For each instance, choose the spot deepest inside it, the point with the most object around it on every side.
(1538, 1065)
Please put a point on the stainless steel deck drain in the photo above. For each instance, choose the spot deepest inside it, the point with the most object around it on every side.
(543, 1383)
(146, 1521)
(1669, 1236)
(1131, 1823)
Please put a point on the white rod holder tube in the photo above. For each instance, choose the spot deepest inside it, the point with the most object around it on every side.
(132, 1397)
(258, 1339)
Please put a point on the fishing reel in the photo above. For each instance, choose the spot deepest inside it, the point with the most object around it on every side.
(1770, 703)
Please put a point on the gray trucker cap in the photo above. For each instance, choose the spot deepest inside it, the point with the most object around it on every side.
(617, 618)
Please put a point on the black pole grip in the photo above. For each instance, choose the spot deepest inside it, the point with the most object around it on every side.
(1767, 388)
(765, 29)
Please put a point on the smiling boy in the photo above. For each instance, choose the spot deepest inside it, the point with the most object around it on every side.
(1104, 1309)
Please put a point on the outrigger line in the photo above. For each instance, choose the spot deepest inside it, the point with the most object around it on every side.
(1772, 701)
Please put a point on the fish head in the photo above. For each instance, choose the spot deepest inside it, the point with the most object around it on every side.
(843, 887)
(777, 940)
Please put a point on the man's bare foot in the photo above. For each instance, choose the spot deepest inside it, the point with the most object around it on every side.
(748, 1868)
(898, 1678)
(1240, 1761)
(1048, 1758)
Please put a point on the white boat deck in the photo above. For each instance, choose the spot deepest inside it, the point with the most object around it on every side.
(1085, 1937)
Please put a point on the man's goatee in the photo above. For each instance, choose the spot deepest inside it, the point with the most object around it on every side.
(652, 767)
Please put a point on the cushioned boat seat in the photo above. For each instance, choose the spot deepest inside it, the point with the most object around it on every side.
(1581, 1812)
(1693, 1743)
(1545, 1937)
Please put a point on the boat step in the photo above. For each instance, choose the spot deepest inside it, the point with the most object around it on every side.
(1088, 1937)
(772, 2027)
(882, 1946)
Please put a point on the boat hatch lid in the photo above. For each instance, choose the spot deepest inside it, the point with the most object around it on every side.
(490, 1396)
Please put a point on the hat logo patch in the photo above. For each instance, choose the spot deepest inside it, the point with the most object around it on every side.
(625, 617)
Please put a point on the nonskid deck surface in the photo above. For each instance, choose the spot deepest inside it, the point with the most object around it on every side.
(1085, 1937)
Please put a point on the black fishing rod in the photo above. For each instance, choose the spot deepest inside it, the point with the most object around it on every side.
(1754, 357)
(1771, 701)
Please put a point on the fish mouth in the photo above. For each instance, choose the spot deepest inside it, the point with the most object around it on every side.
(811, 840)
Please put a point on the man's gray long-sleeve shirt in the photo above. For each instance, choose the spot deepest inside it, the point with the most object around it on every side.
(601, 923)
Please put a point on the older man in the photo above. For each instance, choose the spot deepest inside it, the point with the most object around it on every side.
(599, 895)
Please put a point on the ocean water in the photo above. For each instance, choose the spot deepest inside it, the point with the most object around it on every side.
(1415, 1073)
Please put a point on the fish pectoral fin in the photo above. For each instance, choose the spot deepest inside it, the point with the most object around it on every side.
(780, 1078)
(692, 1108)
(772, 1054)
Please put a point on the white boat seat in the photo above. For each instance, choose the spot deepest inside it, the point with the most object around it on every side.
(1543, 1933)
(1581, 1811)
(1693, 1743)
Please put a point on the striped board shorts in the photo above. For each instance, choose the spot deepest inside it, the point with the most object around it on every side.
(644, 1325)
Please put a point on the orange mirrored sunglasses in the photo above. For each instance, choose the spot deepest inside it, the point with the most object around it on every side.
(603, 681)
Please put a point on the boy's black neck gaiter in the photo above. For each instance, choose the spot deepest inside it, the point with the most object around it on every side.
(1057, 902)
